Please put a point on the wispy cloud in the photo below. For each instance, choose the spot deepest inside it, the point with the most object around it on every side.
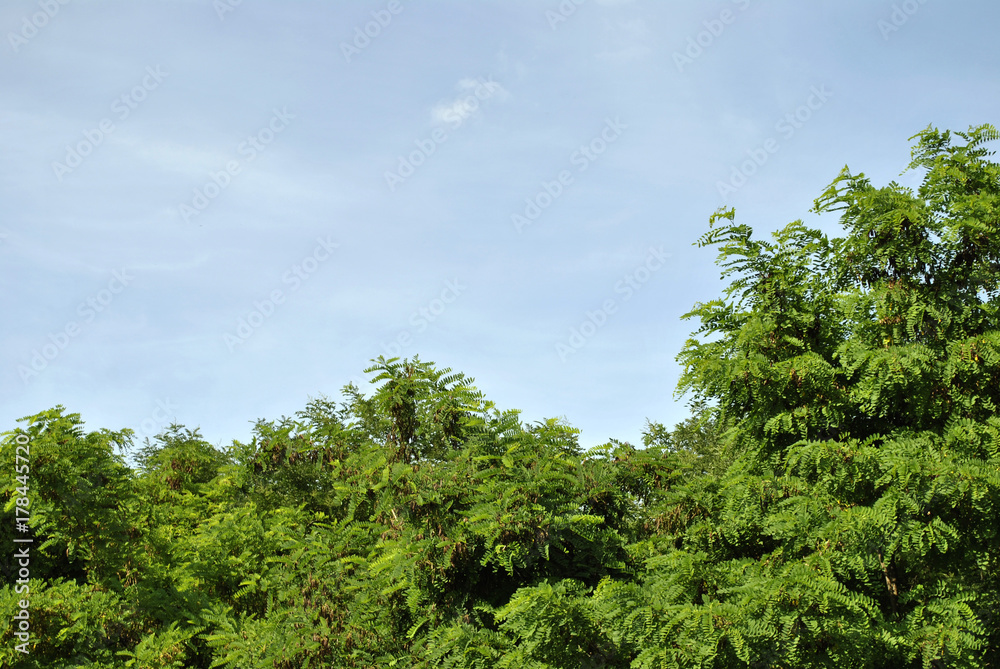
(473, 93)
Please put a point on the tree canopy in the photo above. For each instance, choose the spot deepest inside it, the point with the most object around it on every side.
(831, 502)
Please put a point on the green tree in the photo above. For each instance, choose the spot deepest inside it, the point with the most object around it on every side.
(860, 376)
(698, 440)
(84, 500)
(86, 556)
(420, 512)
(179, 459)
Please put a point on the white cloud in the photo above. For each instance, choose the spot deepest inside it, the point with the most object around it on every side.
(475, 93)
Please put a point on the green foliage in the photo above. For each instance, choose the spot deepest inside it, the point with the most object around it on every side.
(861, 378)
(167, 649)
(84, 502)
(830, 502)
(419, 412)
(557, 626)
(699, 440)
(72, 625)
(179, 460)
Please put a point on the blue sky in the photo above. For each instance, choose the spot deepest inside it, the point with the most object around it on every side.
(213, 211)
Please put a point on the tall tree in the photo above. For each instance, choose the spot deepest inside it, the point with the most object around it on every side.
(861, 377)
